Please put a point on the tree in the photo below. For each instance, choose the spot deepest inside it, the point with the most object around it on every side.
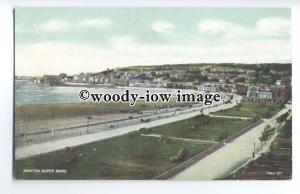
(265, 135)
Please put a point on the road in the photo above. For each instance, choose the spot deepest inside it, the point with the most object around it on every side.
(35, 149)
(231, 156)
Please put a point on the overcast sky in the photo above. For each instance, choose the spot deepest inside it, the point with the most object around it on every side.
(73, 40)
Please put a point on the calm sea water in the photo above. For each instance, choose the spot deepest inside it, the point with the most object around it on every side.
(28, 93)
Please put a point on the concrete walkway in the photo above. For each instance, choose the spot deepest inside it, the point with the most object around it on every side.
(230, 157)
(183, 139)
(229, 117)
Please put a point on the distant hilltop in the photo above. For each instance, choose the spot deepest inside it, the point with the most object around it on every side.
(191, 66)
(184, 76)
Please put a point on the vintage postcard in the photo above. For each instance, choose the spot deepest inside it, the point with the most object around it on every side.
(153, 93)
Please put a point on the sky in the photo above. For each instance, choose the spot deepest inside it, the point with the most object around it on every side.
(73, 40)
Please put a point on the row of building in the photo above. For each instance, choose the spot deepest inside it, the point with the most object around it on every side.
(110, 78)
(280, 92)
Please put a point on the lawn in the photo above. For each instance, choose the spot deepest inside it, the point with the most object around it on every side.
(201, 127)
(132, 156)
(251, 109)
(123, 157)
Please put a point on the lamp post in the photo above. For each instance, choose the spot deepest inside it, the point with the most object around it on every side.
(253, 154)
(87, 126)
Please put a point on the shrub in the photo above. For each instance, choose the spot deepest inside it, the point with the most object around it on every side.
(165, 140)
(142, 130)
(256, 118)
(181, 154)
(193, 128)
(145, 130)
(222, 136)
(133, 134)
(70, 149)
(203, 119)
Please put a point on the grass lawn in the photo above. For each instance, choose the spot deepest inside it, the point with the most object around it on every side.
(202, 127)
(132, 157)
(122, 157)
(251, 109)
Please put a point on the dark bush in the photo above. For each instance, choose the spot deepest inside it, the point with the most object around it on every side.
(165, 140)
(180, 156)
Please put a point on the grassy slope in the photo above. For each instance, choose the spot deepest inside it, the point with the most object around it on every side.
(118, 158)
(214, 129)
(251, 109)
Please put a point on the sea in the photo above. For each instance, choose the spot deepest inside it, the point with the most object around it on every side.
(31, 93)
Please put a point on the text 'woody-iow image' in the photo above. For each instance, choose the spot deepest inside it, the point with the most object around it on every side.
(153, 93)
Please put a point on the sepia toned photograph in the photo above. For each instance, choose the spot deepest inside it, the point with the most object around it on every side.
(152, 93)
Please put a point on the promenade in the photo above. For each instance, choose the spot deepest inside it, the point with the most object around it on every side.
(49, 146)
